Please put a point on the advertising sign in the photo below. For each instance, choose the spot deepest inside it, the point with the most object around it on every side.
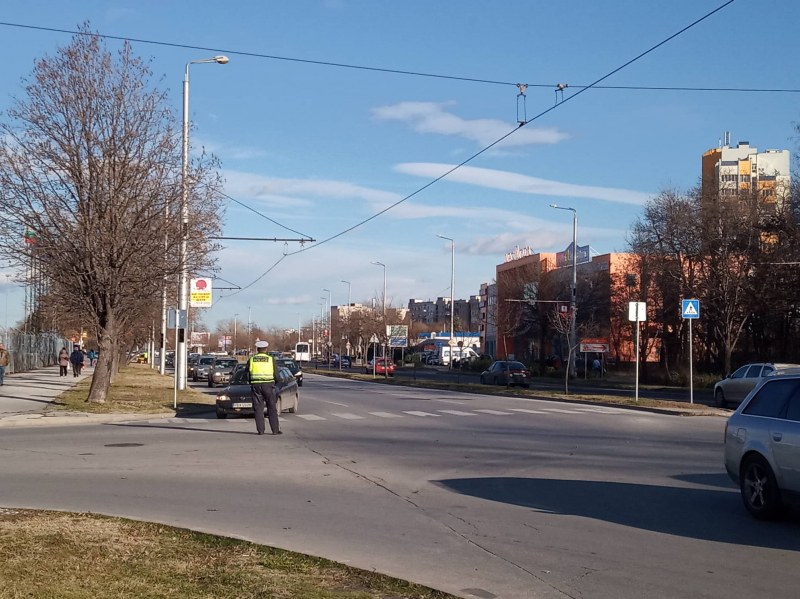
(198, 338)
(598, 345)
(200, 293)
(565, 258)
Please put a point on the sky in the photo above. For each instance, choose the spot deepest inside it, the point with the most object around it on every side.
(353, 156)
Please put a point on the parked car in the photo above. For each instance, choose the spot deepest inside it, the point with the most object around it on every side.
(733, 388)
(202, 368)
(345, 362)
(506, 372)
(434, 360)
(762, 445)
(221, 370)
(294, 367)
(236, 397)
(382, 366)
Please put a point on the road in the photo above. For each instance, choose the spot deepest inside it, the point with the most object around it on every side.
(480, 496)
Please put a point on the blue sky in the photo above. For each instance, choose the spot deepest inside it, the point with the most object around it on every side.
(321, 148)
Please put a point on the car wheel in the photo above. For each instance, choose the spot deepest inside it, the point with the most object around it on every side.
(293, 409)
(194, 378)
(759, 488)
(719, 398)
(497, 381)
(210, 383)
(483, 381)
(221, 414)
(300, 383)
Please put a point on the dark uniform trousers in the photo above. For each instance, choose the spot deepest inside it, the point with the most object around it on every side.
(264, 394)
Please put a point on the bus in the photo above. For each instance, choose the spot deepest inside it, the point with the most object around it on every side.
(302, 352)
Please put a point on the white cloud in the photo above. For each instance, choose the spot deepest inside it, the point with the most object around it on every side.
(431, 117)
(515, 182)
(249, 185)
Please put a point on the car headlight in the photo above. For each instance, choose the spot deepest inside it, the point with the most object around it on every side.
(223, 397)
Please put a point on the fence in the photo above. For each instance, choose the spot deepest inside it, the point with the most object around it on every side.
(29, 351)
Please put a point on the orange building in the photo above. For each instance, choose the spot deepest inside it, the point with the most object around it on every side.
(534, 291)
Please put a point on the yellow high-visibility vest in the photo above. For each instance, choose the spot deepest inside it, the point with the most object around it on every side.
(261, 368)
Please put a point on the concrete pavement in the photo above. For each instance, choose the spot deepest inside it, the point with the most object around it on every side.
(25, 396)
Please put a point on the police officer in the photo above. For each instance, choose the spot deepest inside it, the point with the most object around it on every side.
(262, 369)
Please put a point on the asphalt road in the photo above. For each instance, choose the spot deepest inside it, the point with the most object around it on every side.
(476, 495)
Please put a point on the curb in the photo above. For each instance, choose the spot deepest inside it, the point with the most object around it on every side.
(75, 418)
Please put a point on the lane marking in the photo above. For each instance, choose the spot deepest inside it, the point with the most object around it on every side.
(385, 415)
(348, 416)
(526, 411)
(494, 412)
(422, 414)
(344, 405)
(458, 413)
(310, 417)
(455, 401)
(559, 411)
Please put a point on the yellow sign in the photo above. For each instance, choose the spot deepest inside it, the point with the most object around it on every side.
(200, 293)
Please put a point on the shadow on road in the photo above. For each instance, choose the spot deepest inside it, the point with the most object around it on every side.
(706, 514)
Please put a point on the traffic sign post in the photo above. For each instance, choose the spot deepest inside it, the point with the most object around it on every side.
(690, 310)
(637, 312)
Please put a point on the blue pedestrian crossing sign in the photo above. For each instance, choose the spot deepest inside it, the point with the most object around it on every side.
(690, 308)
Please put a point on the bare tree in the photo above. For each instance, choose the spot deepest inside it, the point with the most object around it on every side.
(90, 174)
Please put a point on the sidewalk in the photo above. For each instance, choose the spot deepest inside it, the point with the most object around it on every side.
(24, 397)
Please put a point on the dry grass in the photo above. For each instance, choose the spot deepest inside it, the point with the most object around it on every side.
(137, 389)
(85, 556)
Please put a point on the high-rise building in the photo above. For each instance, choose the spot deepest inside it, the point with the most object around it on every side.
(732, 171)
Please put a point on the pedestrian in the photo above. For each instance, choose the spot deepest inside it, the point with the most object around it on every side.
(92, 357)
(5, 358)
(596, 368)
(76, 359)
(63, 361)
(262, 369)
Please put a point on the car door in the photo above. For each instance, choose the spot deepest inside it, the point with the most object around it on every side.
(740, 386)
(785, 438)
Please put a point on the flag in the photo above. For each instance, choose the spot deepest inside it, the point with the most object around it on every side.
(30, 236)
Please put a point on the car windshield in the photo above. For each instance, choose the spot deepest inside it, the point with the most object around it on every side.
(240, 377)
(289, 364)
(225, 363)
(205, 361)
(516, 366)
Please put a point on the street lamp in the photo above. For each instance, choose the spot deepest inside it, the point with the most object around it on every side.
(574, 300)
(376, 263)
(183, 285)
(452, 291)
(330, 317)
(234, 333)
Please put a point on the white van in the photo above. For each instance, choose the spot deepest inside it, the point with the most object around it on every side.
(457, 353)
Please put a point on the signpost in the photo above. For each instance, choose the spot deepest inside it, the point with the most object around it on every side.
(200, 293)
(637, 312)
(690, 309)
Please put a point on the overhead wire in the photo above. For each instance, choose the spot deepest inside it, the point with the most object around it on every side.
(391, 71)
(521, 124)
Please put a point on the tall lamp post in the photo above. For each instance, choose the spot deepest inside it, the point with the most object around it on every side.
(347, 312)
(183, 285)
(452, 292)
(574, 300)
(376, 263)
(330, 317)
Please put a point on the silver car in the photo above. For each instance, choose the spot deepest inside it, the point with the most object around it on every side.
(762, 445)
(735, 387)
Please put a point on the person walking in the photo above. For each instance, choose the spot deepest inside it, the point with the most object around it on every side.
(63, 361)
(5, 358)
(92, 357)
(76, 359)
(262, 369)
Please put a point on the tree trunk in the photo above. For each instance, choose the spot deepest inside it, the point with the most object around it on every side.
(101, 381)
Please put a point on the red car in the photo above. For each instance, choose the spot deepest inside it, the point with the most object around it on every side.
(382, 366)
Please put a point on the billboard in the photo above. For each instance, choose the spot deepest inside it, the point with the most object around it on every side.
(565, 258)
(198, 338)
(397, 334)
(200, 293)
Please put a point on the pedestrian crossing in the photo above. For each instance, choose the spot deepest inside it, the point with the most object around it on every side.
(414, 414)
